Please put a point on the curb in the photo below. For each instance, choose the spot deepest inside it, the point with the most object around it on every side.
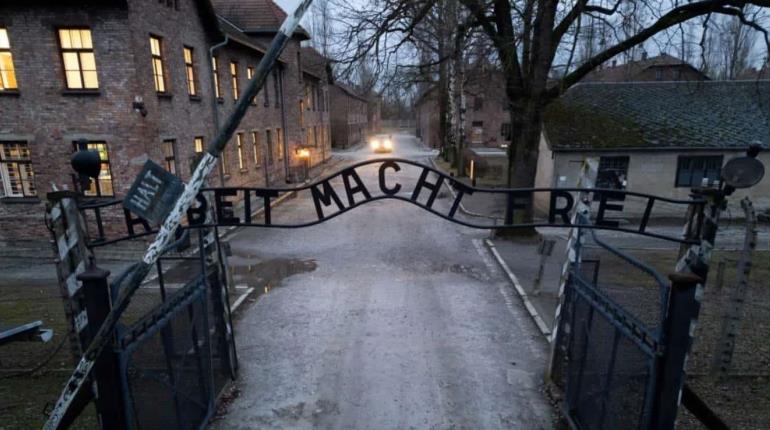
(519, 290)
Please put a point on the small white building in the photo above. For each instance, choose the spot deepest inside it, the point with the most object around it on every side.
(660, 138)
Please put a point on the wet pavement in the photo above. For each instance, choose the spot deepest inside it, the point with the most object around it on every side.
(386, 317)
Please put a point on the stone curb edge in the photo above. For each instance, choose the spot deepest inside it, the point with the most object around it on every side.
(519, 290)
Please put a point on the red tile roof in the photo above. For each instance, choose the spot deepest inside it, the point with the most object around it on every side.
(253, 15)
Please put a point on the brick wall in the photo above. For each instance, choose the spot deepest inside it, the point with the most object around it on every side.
(349, 118)
(50, 119)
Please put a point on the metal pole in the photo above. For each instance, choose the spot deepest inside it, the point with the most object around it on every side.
(681, 315)
(109, 403)
(172, 221)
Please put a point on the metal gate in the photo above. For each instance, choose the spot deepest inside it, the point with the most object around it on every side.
(176, 347)
(617, 368)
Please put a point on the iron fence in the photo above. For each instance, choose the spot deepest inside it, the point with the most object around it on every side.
(180, 355)
(620, 352)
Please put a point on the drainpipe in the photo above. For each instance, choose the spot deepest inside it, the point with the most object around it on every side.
(214, 98)
(283, 128)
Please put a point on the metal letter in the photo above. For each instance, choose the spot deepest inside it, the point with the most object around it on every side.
(604, 206)
(326, 197)
(385, 190)
(563, 212)
(224, 207)
(359, 188)
(422, 182)
(267, 194)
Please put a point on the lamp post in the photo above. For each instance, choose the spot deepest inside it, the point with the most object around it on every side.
(304, 154)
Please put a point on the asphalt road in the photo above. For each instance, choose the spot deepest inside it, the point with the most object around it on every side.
(404, 323)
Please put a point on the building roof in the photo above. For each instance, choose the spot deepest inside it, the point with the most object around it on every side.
(350, 91)
(235, 35)
(628, 72)
(255, 16)
(660, 115)
(313, 62)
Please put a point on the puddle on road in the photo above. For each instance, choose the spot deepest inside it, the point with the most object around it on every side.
(263, 276)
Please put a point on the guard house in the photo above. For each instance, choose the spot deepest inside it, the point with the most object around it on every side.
(659, 138)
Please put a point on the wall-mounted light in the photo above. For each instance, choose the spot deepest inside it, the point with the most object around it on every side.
(139, 106)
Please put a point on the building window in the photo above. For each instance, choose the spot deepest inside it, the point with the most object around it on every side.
(249, 75)
(315, 136)
(217, 84)
(613, 173)
(255, 146)
(266, 92)
(225, 167)
(17, 179)
(658, 75)
(170, 3)
(239, 147)
(299, 67)
(102, 187)
(279, 136)
(156, 49)
(478, 103)
(7, 72)
(269, 140)
(691, 171)
(677, 74)
(77, 52)
(505, 130)
(477, 131)
(276, 89)
(234, 79)
(198, 144)
(169, 159)
(189, 66)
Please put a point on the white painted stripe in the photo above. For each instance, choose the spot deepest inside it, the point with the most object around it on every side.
(73, 286)
(241, 299)
(531, 310)
(81, 321)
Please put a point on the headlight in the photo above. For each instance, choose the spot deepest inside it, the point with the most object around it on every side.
(388, 144)
(375, 143)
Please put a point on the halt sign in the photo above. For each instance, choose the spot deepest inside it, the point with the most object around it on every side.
(153, 194)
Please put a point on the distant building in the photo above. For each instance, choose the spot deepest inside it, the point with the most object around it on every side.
(662, 67)
(660, 138)
(487, 117)
(349, 116)
(136, 80)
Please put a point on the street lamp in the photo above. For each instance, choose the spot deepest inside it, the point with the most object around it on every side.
(87, 164)
(304, 154)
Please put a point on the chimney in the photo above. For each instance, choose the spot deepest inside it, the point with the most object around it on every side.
(644, 55)
(614, 63)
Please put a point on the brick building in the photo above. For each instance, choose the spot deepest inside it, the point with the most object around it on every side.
(661, 67)
(349, 116)
(136, 79)
(487, 121)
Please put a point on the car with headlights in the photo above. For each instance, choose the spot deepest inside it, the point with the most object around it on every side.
(381, 143)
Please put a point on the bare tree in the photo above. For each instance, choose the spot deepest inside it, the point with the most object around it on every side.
(531, 36)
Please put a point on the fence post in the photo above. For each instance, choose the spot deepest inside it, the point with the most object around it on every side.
(109, 403)
(681, 315)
